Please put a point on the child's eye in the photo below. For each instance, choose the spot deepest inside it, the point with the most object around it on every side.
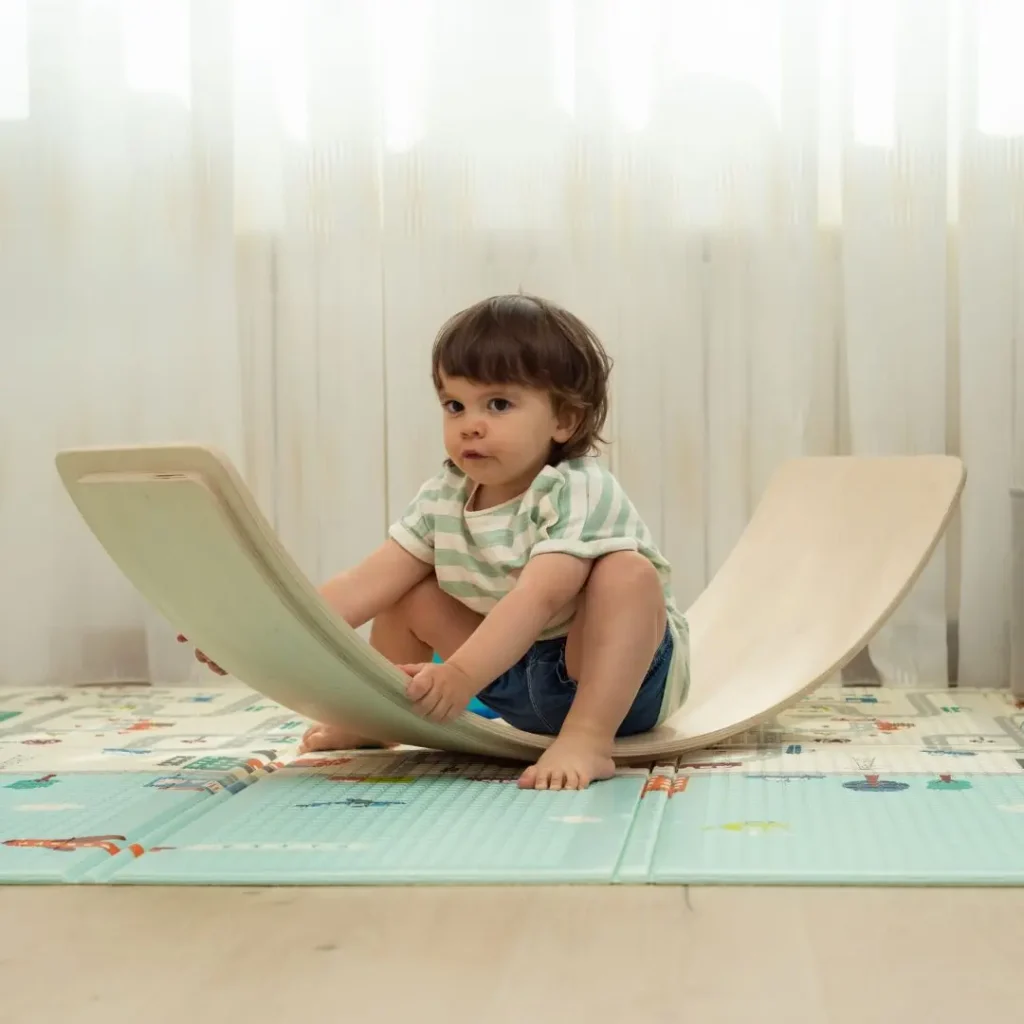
(499, 405)
(452, 407)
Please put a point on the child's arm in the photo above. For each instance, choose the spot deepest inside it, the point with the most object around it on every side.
(545, 586)
(377, 582)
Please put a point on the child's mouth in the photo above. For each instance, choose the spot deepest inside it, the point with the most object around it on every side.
(473, 456)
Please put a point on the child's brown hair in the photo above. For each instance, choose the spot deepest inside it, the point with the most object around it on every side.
(525, 340)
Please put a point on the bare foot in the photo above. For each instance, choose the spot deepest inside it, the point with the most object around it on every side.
(335, 737)
(569, 764)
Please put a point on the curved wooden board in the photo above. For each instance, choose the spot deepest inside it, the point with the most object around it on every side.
(833, 546)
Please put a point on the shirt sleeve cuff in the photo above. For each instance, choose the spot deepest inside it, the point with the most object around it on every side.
(588, 549)
(407, 539)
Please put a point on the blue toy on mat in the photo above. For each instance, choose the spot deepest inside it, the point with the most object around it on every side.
(474, 705)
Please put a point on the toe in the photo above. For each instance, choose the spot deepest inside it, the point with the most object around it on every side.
(557, 780)
(315, 739)
(529, 778)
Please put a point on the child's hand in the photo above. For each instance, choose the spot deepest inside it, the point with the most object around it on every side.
(438, 692)
(203, 658)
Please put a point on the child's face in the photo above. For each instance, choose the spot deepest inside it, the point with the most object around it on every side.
(500, 435)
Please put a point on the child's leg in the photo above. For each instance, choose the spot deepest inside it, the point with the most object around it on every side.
(609, 650)
(424, 621)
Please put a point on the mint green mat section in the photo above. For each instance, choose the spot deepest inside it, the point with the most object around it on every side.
(410, 820)
(424, 818)
(825, 829)
(57, 827)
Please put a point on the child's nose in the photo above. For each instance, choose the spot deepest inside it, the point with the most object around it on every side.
(473, 428)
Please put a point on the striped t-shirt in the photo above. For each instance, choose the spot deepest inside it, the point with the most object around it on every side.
(575, 508)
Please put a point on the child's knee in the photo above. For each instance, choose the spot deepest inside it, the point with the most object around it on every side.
(414, 606)
(421, 601)
(627, 576)
(625, 569)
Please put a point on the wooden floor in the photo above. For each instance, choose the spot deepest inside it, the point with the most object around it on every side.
(530, 956)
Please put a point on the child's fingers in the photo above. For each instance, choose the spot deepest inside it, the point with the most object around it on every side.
(439, 711)
(452, 713)
(212, 665)
(419, 686)
(428, 704)
(442, 712)
(200, 657)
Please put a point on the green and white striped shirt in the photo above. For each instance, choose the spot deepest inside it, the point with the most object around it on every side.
(575, 508)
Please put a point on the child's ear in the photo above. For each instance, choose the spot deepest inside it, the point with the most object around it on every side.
(567, 423)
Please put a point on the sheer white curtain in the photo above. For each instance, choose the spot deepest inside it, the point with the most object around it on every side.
(797, 224)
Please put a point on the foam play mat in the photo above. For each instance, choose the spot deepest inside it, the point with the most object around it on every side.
(379, 820)
(186, 785)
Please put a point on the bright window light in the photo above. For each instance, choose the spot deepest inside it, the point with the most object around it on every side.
(155, 36)
(737, 40)
(270, 47)
(402, 28)
(872, 25)
(14, 102)
(631, 34)
(563, 50)
(1000, 69)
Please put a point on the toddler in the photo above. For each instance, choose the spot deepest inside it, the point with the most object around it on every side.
(523, 563)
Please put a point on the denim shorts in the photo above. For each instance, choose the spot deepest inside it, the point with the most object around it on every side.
(535, 694)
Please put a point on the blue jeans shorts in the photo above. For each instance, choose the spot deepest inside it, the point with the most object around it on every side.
(535, 694)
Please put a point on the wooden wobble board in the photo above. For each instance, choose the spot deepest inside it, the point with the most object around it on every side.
(832, 548)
